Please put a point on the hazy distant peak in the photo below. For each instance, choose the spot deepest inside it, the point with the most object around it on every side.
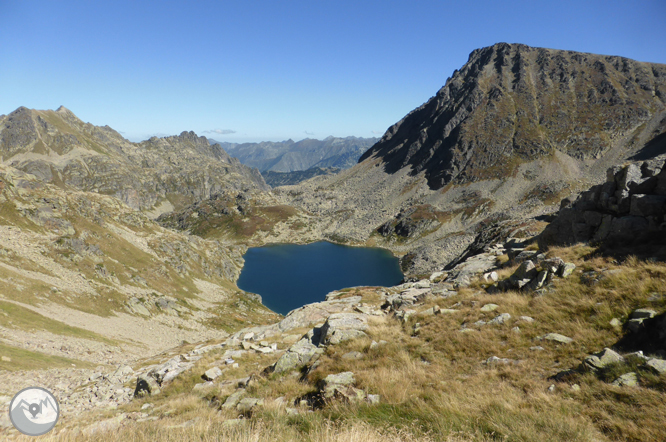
(289, 156)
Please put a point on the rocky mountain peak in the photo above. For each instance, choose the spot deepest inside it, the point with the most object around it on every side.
(64, 110)
(21, 110)
(512, 103)
(191, 136)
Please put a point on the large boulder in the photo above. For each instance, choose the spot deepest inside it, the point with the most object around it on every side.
(341, 327)
(523, 274)
(298, 355)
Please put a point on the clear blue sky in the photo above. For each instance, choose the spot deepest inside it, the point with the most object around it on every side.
(272, 70)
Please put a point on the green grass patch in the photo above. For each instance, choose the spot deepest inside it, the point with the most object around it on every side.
(22, 359)
(16, 316)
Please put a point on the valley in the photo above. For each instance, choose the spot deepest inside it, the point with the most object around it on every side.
(525, 201)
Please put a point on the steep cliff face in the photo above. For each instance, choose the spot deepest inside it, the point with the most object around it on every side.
(512, 103)
(168, 172)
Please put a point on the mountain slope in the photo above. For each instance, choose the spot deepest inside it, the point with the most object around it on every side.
(289, 156)
(160, 173)
(513, 103)
(507, 137)
(84, 277)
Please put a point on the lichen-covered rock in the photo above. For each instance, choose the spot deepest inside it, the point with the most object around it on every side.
(602, 359)
(658, 366)
(247, 404)
(212, 374)
(627, 380)
(296, 356)
(233, 400)
(500, 319)
(333, 382)
(566, 269)
(341, 327)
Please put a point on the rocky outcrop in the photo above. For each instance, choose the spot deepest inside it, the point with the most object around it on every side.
(534, 272)
(629, 207)
(340, 327)
(412, 222)
(298, 355)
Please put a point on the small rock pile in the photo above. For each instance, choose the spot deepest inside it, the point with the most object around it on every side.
(341, 386)
(404, 303)
(101, 390)
(598, 362)
(534, 272)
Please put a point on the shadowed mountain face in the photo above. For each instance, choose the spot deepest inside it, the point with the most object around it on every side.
(511, 103)
(290, 156)
(169, 172)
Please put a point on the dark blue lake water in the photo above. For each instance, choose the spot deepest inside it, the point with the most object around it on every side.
(288, 276)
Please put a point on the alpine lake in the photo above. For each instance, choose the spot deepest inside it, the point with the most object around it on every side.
(288, 276)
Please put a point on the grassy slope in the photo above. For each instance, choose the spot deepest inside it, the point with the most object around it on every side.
(434, 386)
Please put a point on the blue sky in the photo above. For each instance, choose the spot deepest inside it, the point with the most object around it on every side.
(272, 70)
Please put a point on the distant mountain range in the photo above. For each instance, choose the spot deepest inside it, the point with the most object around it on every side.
(290, 156)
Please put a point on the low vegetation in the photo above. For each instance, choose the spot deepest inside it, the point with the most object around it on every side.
(438, 383)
